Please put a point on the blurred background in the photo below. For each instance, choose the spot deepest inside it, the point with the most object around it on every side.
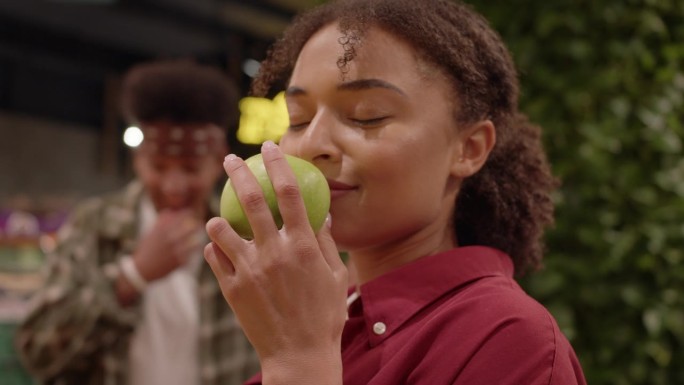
(61, 65)
(604, 79)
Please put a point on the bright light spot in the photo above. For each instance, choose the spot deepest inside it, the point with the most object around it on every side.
(133, 136)
(250, 67)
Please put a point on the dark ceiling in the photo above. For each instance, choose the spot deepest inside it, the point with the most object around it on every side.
(58, 57)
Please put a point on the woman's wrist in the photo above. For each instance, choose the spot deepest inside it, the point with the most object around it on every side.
(305, 369)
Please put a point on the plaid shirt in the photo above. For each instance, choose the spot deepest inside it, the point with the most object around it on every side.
(76, 331)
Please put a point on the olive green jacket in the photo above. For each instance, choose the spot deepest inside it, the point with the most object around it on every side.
(76, 331)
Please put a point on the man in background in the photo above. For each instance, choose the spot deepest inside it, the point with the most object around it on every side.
(129, 299)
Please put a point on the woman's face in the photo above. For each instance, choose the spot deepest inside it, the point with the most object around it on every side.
(384, 136)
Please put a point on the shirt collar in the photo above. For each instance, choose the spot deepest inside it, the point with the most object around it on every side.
(395, 297)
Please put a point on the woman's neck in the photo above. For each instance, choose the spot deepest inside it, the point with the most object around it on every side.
(371, 263)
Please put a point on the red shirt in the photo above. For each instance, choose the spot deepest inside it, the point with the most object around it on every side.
(457, 318)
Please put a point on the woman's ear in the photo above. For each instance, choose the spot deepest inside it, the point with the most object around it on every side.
(475, 144)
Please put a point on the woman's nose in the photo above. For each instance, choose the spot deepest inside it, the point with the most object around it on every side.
(319, 141)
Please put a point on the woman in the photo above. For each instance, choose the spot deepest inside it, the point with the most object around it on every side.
(440, 193)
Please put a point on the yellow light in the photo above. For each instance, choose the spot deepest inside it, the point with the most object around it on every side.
(262, 119)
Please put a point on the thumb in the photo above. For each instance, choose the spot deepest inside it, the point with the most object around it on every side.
(328, 247)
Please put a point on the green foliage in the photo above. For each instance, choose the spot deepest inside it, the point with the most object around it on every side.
(606, 81)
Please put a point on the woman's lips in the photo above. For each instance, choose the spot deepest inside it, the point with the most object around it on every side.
(337, 189)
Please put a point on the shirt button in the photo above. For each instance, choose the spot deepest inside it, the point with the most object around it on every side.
(379, 328)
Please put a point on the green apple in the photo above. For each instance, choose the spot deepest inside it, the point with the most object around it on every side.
(312, 185)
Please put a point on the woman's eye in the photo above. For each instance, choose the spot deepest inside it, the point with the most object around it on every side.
(369, 122)
(298, 126)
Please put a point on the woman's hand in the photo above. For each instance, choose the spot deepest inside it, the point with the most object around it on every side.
(287, 287)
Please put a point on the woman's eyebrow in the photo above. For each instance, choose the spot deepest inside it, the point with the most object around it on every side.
(294, 91)
(365, 84)
(354, 85)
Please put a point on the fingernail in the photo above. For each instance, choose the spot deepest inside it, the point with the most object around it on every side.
(268, 145)
(328, 220)
(229, 158)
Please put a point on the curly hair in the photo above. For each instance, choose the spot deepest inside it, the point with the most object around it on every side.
(180, 91)
(507, 204)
